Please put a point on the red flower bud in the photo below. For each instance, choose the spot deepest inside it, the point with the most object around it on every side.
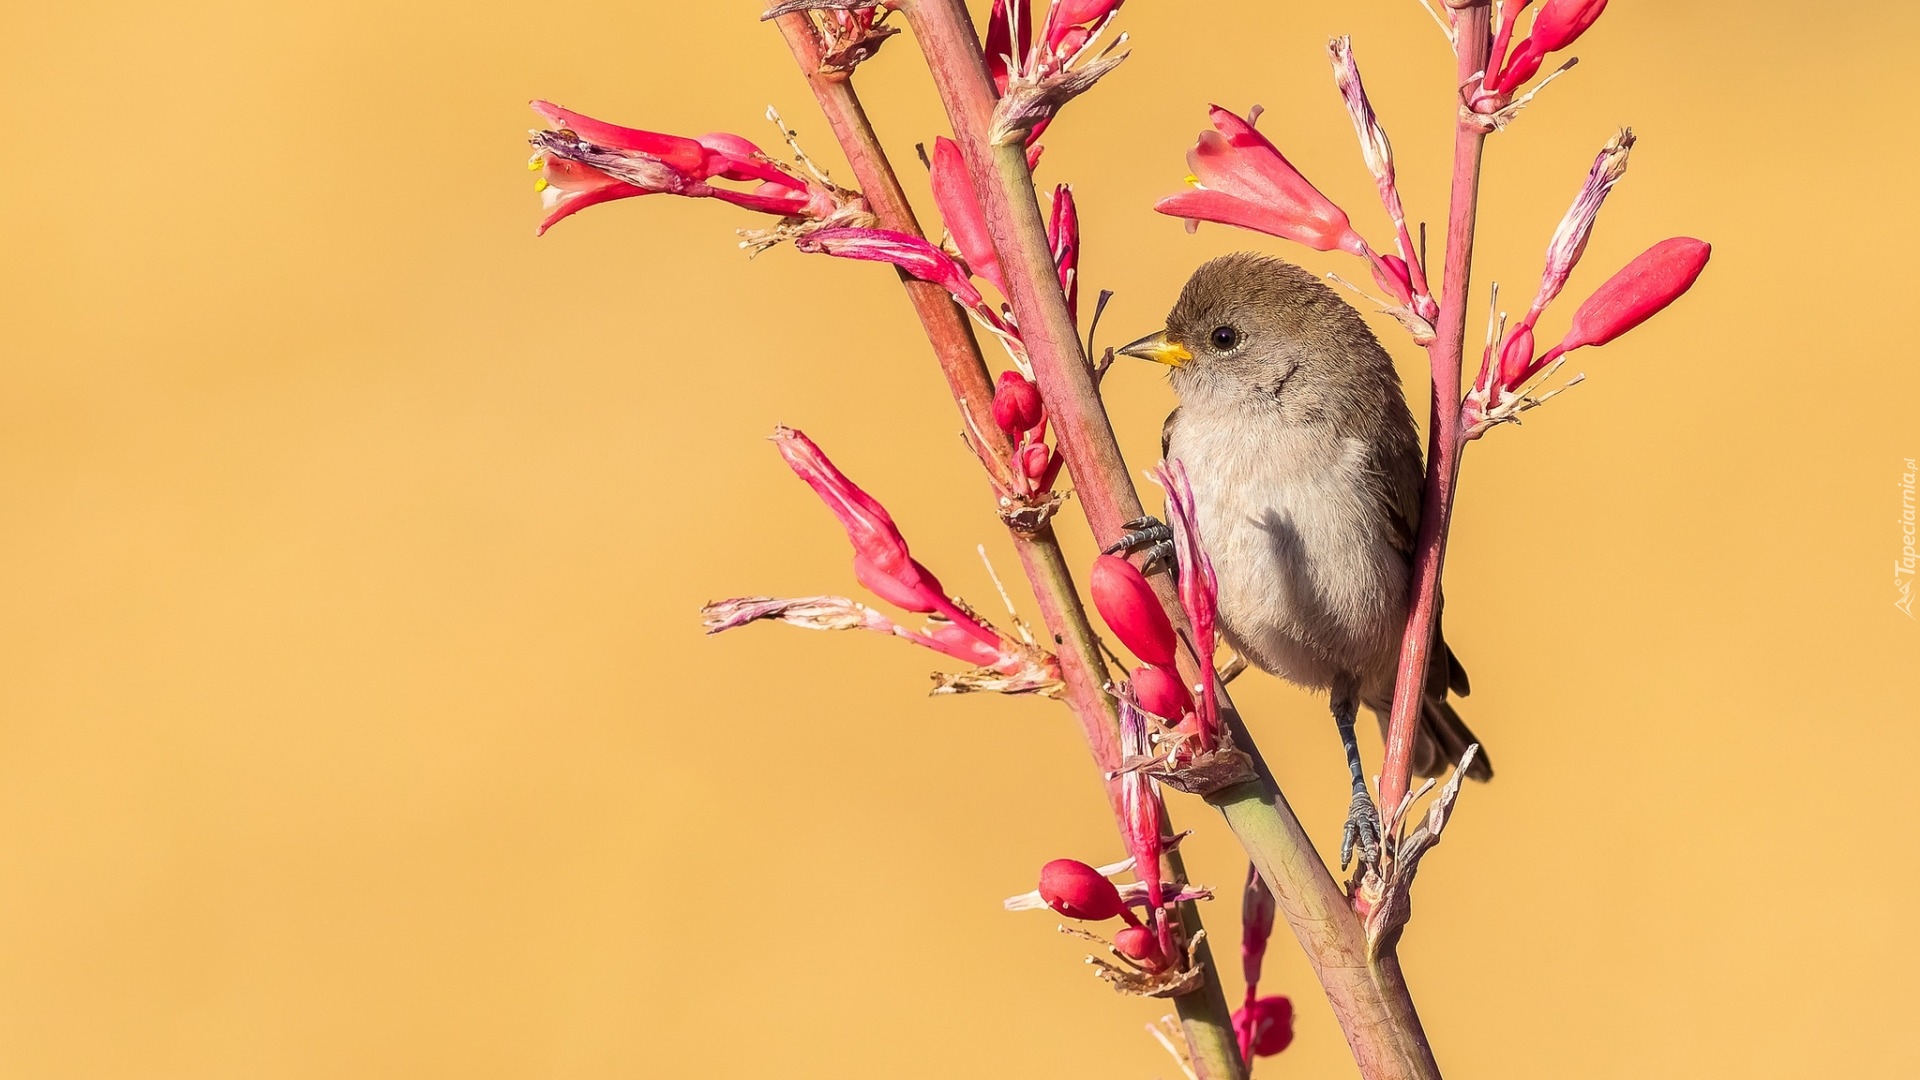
(1138, 944)
(1132, 611)
(1561, 22)
(959, 205)
(1272, 1020)
(1036, 461)
(1016, 403)
(1160, 692)
(1516, 358)
(1077, 891)
(1638, 292)
(1557, 26)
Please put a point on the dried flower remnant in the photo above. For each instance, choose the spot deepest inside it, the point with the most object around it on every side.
(1402, 275)
(1044, 71)
(883, 563)
(584, 162)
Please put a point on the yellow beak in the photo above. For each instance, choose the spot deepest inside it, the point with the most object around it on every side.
(1157, 348)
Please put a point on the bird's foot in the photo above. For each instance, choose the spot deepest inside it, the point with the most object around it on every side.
(1154, 540)
(1362, 831)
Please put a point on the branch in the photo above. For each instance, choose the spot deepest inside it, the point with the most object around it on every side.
(1369, 998)
(1445, 439)
(1204, 1013)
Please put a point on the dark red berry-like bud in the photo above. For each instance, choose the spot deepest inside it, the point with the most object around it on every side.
(1130, 608)
(1077, 891)
(1016, 404)
(1159, 691)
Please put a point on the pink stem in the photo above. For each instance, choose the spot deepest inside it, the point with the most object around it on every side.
(1445, 439)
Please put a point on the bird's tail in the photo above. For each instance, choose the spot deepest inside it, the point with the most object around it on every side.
(1444, 737)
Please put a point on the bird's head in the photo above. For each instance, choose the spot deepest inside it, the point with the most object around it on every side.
(1254, 327)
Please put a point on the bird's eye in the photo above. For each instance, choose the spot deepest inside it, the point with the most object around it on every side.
(1225, 337)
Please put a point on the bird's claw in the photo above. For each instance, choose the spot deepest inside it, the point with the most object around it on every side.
(1154, 540)
(1362, 831)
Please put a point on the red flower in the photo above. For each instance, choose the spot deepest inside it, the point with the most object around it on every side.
(584, 161)
(1242, 179)
(1131, 610)
(1271, 1023)
(882, 562)
(1645, 286)
(904, 250)
(1063, 234)
(1558, 24)
(959, 205)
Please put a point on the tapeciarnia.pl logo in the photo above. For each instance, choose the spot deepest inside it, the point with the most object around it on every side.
(1903, 566)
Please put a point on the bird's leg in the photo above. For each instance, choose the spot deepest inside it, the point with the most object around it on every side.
(1363, 819)
(1149, 535)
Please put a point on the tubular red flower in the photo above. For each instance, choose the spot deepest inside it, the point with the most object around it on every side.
(959, 205)
(586, 161)
(1131, 610)
(1558, 24)
(1063, 233)
(1645, 286)
(1271, 1020)
(1160, 692)
(1257, 911)
(1016, 404)
(1140, 807)
(881, 559)
(904, 250)
(1077, 891)
(1199, 587)
(1240, 178)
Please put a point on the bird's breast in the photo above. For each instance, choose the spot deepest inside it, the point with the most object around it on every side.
(1310, 583)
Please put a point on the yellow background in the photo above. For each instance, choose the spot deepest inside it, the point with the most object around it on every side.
(355, 720)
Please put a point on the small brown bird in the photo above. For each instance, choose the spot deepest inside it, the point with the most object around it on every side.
(1306, 478)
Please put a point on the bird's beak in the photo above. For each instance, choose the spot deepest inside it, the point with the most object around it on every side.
(1160, 350)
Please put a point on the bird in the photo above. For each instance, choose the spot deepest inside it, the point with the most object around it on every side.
(1305, 465)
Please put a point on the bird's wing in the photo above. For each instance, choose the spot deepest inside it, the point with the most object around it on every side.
(1396, 481)
(1166, 432)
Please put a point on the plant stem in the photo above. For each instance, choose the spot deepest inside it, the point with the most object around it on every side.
(1204, 1014)
(1369, 1000)
(1472, 43)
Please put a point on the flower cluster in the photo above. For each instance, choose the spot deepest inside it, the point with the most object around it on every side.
(1151, 960)
(583, 162)
(883, 564)
(1510, 66)
(1658, 277)
(1037, 73)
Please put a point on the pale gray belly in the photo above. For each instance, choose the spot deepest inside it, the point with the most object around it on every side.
(1310, 586)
